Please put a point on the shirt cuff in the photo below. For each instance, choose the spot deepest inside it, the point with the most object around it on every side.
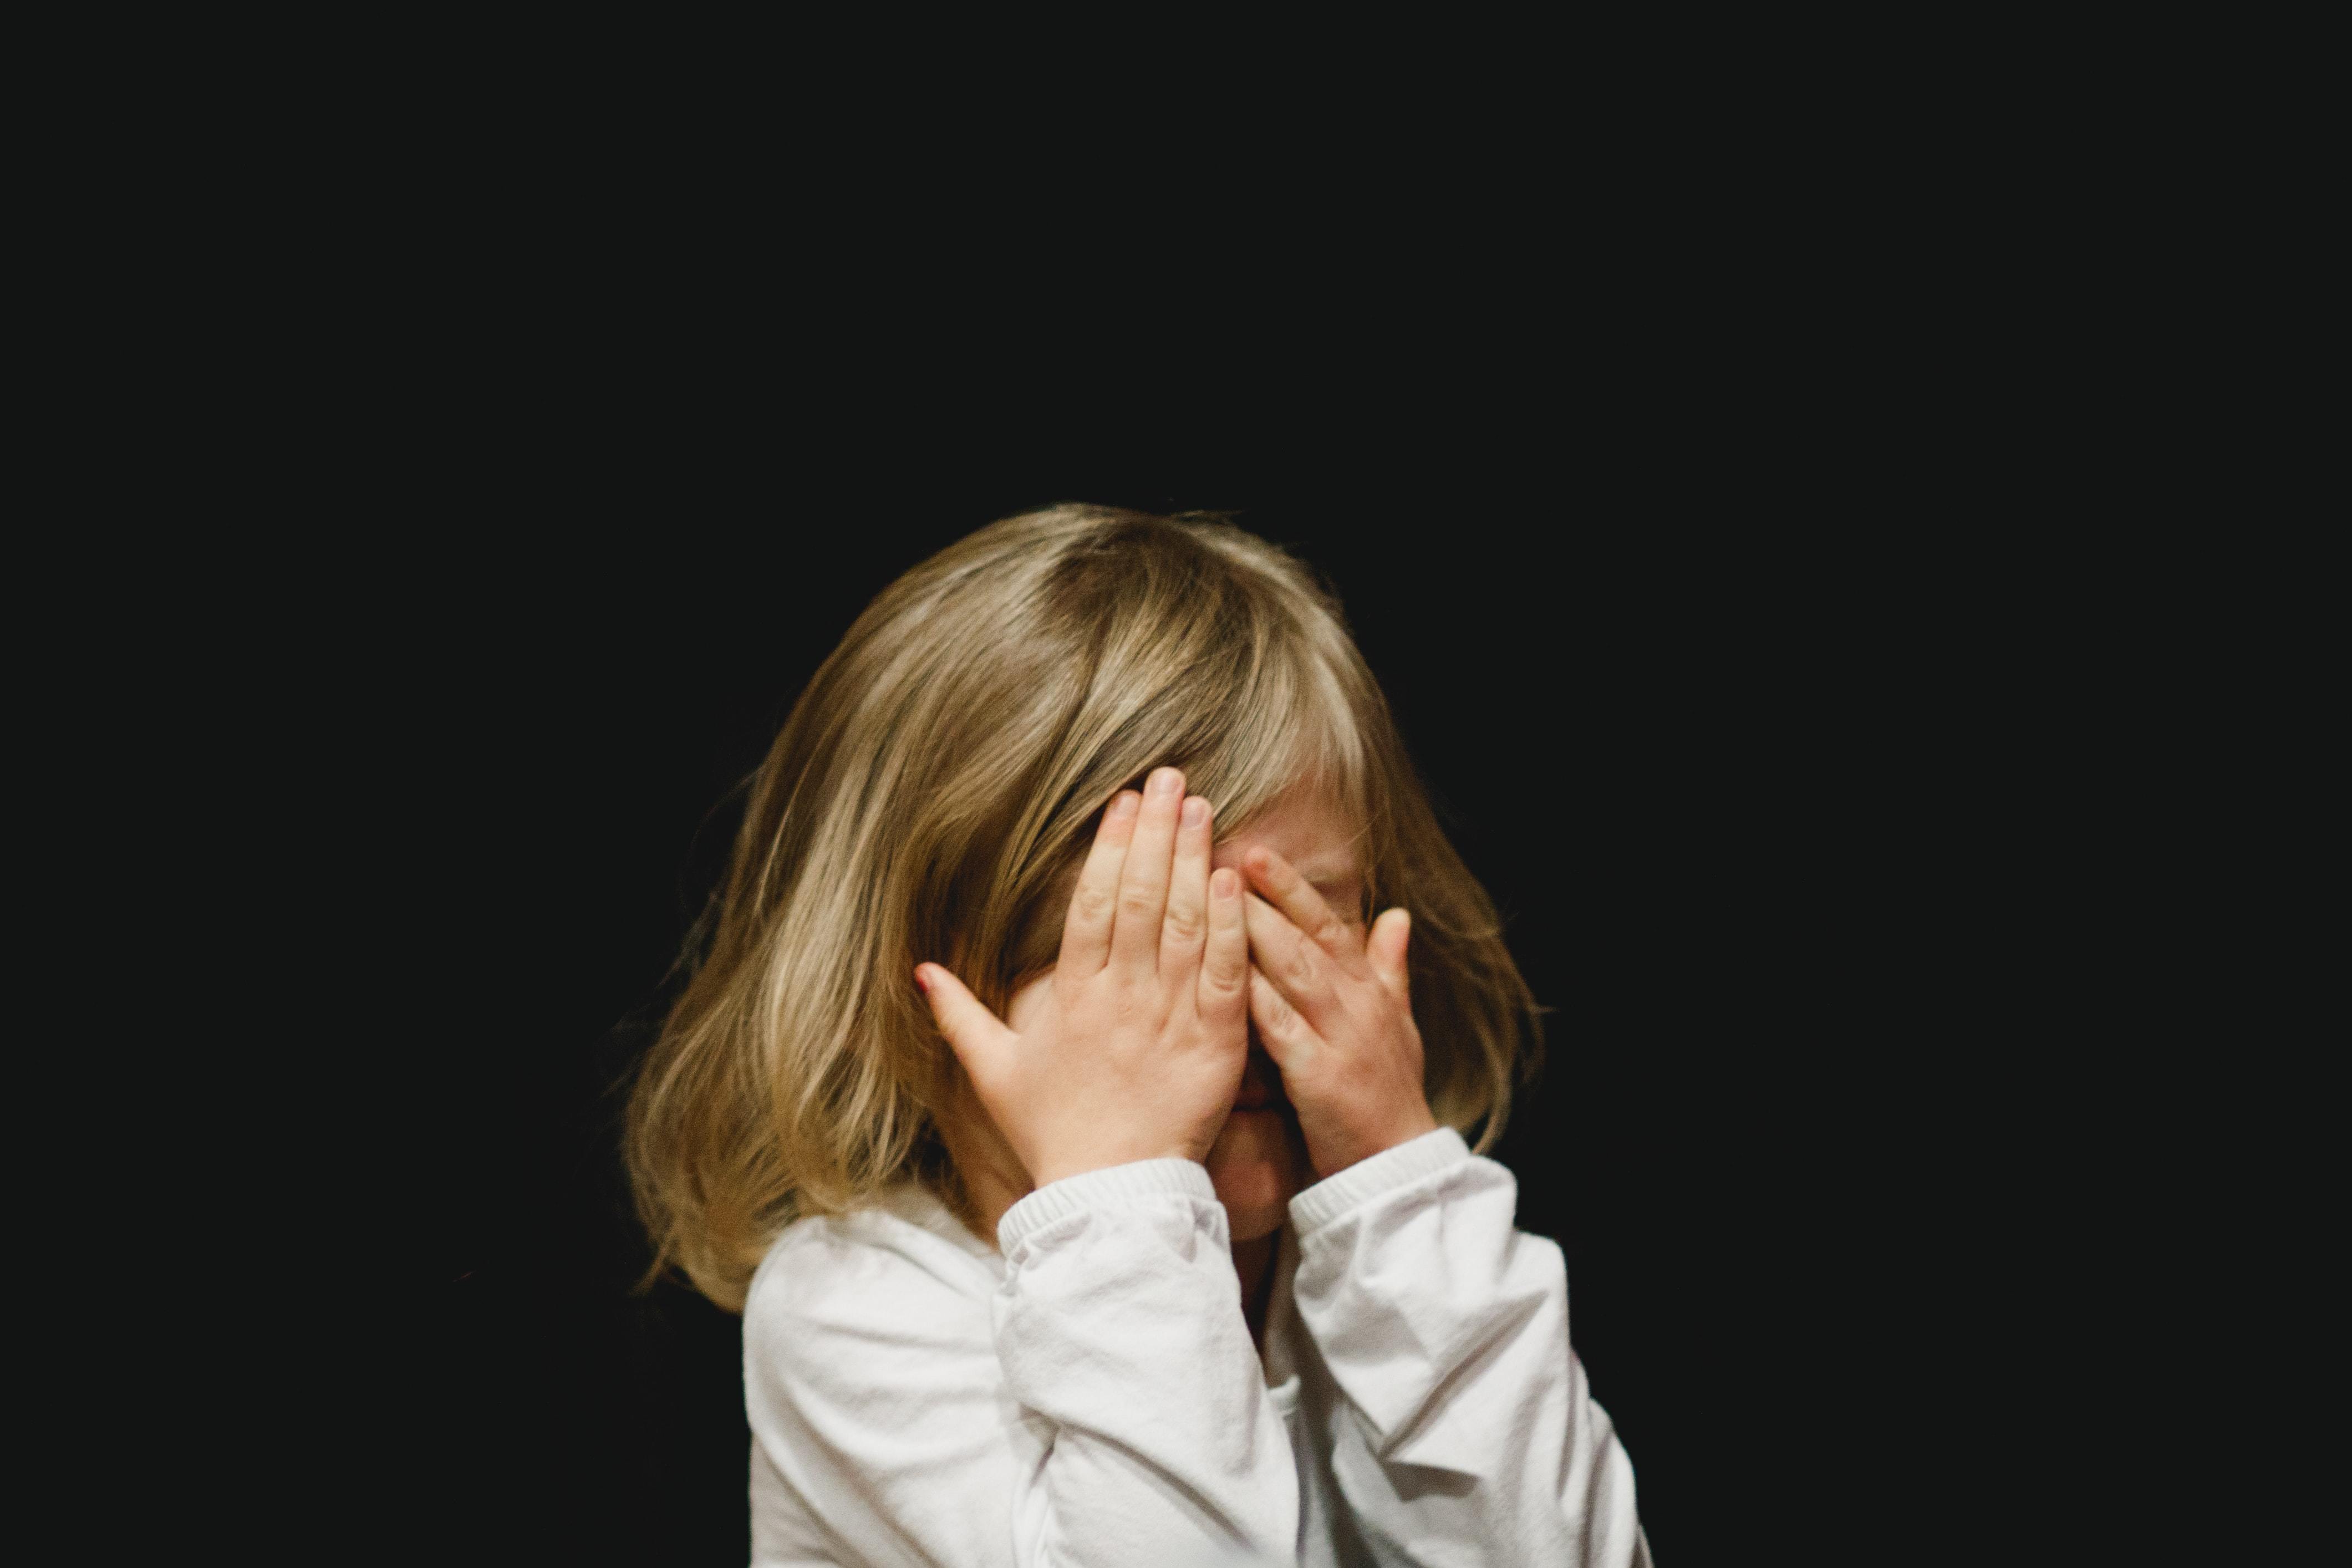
(1107, 1188)
(1365, 1180)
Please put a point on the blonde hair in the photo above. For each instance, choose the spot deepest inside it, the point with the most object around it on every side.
(931, 797)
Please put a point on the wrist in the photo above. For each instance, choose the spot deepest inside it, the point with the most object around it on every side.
(1408, 1124)
(1138, 1185)
(1061, 1169)
(1369, 1178)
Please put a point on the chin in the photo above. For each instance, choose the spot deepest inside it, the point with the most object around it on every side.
(1254, 1166)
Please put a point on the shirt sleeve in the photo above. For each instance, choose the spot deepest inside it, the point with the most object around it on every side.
(1103, 1406)
(1120, 1329)
(1473, 1437)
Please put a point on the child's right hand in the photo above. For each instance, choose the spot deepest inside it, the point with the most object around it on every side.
(1139, 1049)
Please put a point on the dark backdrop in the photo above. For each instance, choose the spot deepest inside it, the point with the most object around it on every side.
(1695, 744)
(1714, 518)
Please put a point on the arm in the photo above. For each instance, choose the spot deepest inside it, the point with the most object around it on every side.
(1118, 1325)
(1103, 1405)
(1472, 1438)
(1120, 1332)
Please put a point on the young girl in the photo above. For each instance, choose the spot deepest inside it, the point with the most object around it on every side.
(1090, 1176)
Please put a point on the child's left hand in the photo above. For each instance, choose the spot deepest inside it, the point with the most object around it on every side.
(1336, 1016)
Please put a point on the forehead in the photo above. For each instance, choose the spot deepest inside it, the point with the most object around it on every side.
(1307, 829)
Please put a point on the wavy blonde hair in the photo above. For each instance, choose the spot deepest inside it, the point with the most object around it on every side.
(931, 796)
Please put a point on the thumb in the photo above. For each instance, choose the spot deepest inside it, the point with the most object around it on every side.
(977, 1038)
(1384, 949)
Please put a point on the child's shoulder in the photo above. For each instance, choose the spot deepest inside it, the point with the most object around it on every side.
(901, 1253)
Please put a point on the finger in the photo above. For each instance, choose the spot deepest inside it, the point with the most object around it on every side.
(1296, 966)
(1289, 1040)
(1296, 897)
(979, 1039)
(1384, 951)
(1225, 961)
(1085, 932)
(1187, 921)
(1143, 878)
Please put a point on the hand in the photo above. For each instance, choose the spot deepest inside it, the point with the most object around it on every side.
(1336, 1016)
(1140, 1048)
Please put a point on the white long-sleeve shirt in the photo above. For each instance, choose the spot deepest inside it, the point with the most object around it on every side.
(1091, 1395)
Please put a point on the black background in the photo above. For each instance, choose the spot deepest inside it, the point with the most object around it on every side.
(1774, 558)
(1704, 749)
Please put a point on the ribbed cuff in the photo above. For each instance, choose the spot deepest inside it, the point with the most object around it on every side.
(1107, 1188)
(1365, 1180)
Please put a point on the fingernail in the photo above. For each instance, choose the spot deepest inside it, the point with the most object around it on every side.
(1223, 883)
(1196, 812)
(1167, 782)
(1124, 803)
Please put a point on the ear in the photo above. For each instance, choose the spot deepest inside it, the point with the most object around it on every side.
(1384, 949)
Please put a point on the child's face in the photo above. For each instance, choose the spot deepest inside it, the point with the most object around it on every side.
(1259, 1163)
